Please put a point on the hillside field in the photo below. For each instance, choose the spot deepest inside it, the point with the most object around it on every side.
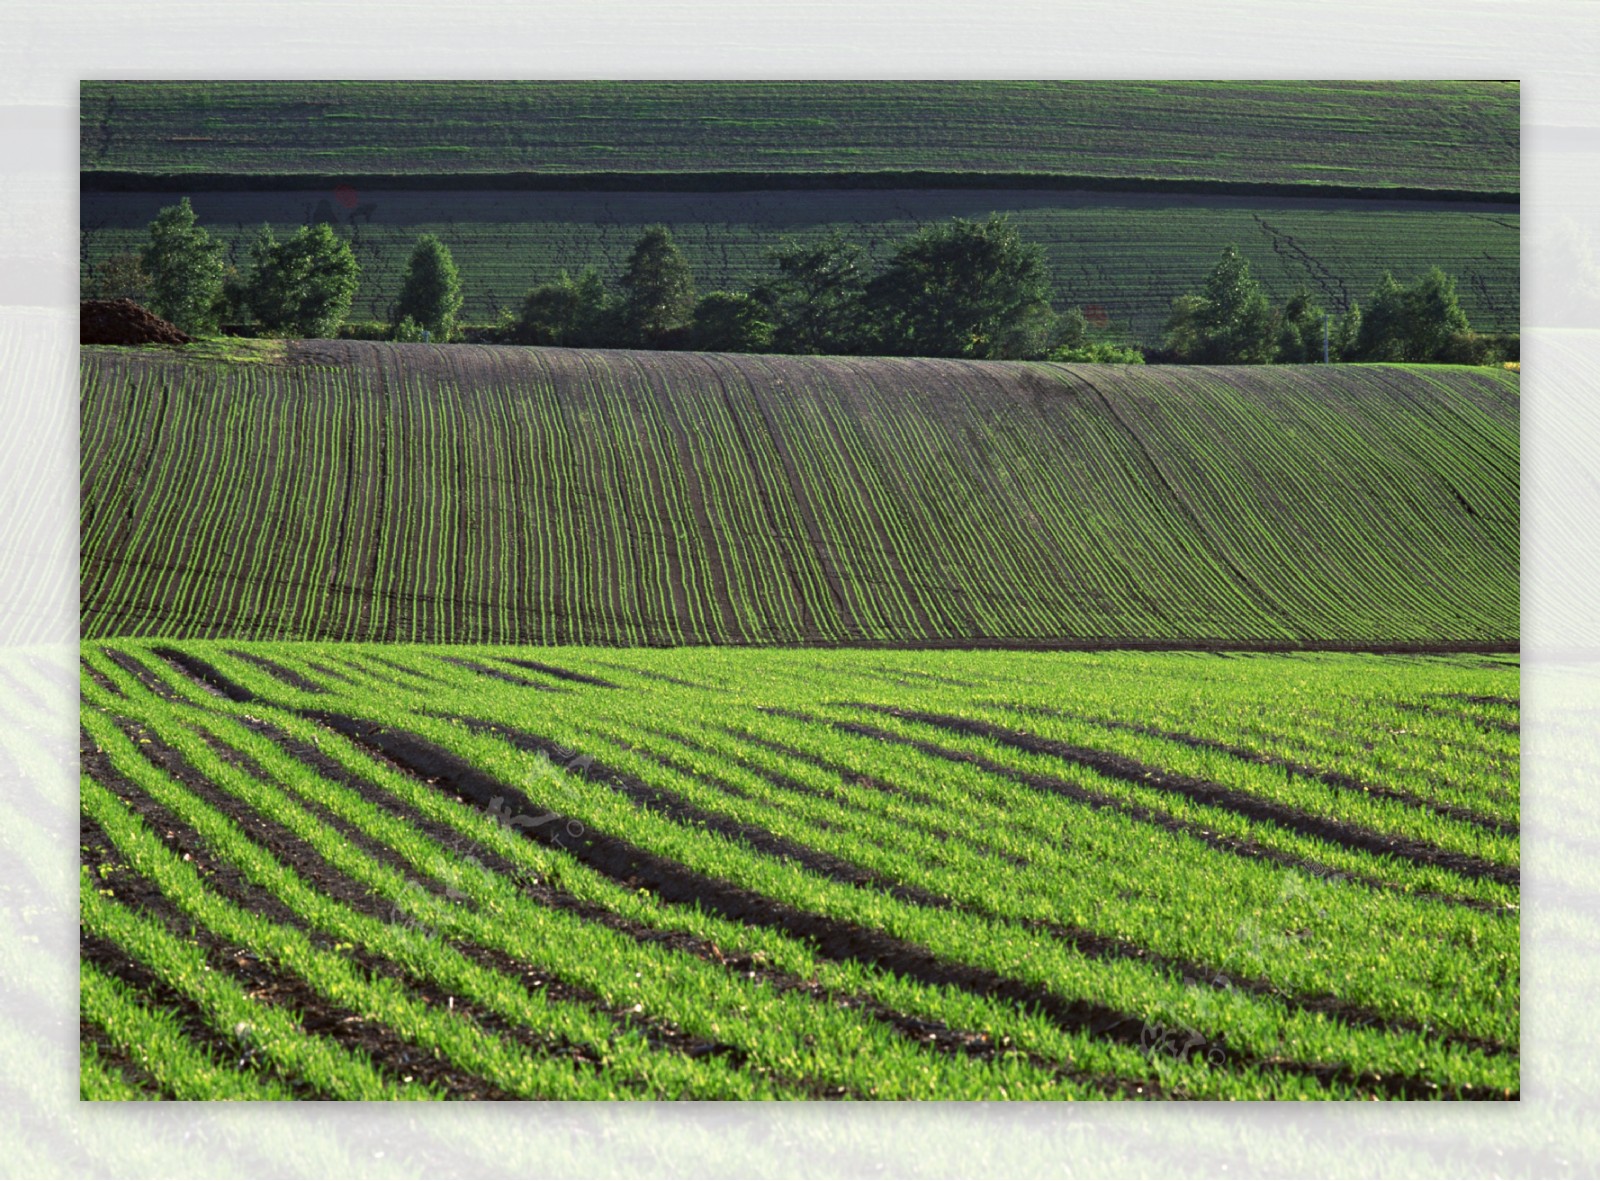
(1127, 254)
(1439, 136)
(476, 494)
(408, 872)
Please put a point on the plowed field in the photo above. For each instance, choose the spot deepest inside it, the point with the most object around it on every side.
(501, 495)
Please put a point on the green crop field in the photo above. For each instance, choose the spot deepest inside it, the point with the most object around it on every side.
(477, 494)
(1128, 254)
(405, 871)
(1455, 136)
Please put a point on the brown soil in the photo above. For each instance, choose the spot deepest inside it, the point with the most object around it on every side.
(121, 321)
(1202, 791)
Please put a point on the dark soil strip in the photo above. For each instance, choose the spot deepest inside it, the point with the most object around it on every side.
(232, 885)
(499, 674)
(674, 807)
(637, 868)
(561, 674)
(335, 884)
(655, 676)
(198, 670)
(110, 180)
(140, 673)
(273, 669)
(1236, 846)
(1334, 779)
(1204, 791)
(1484, 699)
(1493, 725)
(111, 1055)
(98, 677)
(1086, 943)
(921, 1030)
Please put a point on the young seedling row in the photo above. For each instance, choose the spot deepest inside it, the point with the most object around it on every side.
(410, 871)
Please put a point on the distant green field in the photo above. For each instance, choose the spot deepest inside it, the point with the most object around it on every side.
(336, 490)
(405, 872)
(1128, 254)
(1461, 136)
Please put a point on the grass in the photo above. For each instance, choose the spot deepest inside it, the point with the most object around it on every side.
(477, 494)
(491, 854)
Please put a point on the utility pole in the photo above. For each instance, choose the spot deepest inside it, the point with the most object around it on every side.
(1324, 338)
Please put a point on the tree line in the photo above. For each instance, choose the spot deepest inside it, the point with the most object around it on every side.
(964, 288)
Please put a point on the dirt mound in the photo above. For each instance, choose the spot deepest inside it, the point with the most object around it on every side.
(121, 321)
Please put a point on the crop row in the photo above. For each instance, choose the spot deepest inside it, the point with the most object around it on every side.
(1446, 135)
(478, 494)
(407, 871)
(1128, 255)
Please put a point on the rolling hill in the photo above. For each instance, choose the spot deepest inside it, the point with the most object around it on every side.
(467, 494)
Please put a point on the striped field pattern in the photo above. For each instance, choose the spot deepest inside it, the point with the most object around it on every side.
(466, 494)
(413, 871)
(1462, 136)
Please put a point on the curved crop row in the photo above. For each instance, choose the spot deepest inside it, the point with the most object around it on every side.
(475, 494)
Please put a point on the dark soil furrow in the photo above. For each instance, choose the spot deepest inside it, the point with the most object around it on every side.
(674, 807)
(1491, 725)
(264, 984)
(112, 1055)
(203, 674)
(561, 674)
(1203, 791)
(98, 677)
(231, 884)
(836, 939)
(1334, 779)
(499, 674)
(273, 669)
(1236, 846)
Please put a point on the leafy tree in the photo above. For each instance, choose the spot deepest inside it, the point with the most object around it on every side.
(570, 313)
(302, 286)
(1433, 316)
(431, 292)
(964, 289)
(1184, 338)
(1348, 333)
(1236, 324)
(815, 302)
(185, 269)
(1231, 323)
(657, 288)
(730, 322)
(1300, 330)
(120, 276)
(1383, 326)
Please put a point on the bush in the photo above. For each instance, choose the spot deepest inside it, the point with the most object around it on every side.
(730, 322)
(570, 313)
(1097, 353)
